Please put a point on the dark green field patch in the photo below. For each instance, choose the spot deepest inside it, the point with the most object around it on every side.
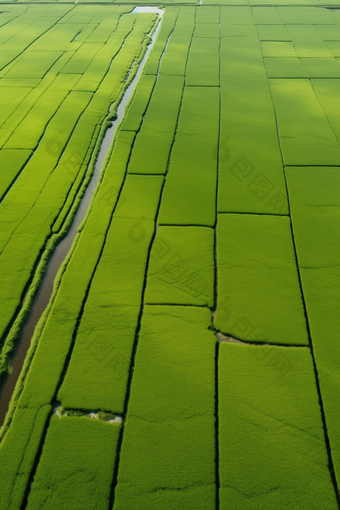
(203, 62)
(271, 440)
(102, 353)
(284, 67)
(315, 210)
(190, 188)
(151, 149)
(34, 64)
(11, 162)
(259, 297)
(167, 458)
(305, 135)
(139, 198)
(181, 268)
(251, 176)
(134, 116)
(75, 470)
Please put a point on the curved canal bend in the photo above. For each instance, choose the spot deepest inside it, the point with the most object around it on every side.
(44, 293)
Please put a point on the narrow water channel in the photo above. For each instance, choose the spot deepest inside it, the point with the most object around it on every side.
(46, 288)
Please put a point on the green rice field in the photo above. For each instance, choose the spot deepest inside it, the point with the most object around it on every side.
(187, 356)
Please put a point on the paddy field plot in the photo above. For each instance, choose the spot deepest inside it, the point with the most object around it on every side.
(189, 354)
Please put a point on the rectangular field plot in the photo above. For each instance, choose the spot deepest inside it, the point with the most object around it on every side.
(181, 268)
(284, 67)
(11, 162)
(321, 67)
(175, 58)
(134, 116)
(251, 176)
(259, 297)
(305, 134)
(102, 353)
(10, 98)
(190, 187)
(203, 62)
(167, 458)
(315, 206)
(151, 149)
(34, 64)
(75, 470)
(271, 441)
(326, 92)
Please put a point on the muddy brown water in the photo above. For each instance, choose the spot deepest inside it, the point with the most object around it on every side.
(44, 293)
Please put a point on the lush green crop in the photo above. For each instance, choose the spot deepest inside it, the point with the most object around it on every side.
(10, 98)
(60, 154)
(250, 167)
(203, 62)
(11, 162)
(168, 25)
(18, 453)
(181, 268)
(139, 105)
(269, 411)
(129, 328)
(153, 142)
(34, 65)
(168, 451)
(284, 67)
(102, 355)
(297, 108)
(175, 58)
(315, 207)
(326, 92)
(207, 15)
(190, 188)
(259, 297)
(76, 466)
(50, 356)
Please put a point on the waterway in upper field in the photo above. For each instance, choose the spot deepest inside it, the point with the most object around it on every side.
(44, 293)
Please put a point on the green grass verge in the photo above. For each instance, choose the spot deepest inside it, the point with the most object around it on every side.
(315, 207)
(167, 458)
(190, 189)
(259, 297)
(75, 470)
(271, 440)
(181, 268)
